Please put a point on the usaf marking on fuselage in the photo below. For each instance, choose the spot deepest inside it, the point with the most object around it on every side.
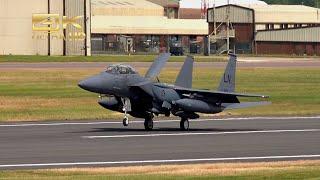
(123, 90)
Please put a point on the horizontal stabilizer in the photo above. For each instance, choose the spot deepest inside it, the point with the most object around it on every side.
(229, 106)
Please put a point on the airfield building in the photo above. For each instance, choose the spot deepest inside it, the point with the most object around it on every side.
(18, 37)
(100, 27)
(142, 26)
(265, 29)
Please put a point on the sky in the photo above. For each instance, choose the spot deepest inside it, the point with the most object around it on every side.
(197, 3)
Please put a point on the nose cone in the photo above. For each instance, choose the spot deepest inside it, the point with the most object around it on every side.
(93, 84)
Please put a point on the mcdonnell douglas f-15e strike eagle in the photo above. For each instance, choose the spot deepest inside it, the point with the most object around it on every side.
(123, 90)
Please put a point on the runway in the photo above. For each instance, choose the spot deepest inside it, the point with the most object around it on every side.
(107, 143)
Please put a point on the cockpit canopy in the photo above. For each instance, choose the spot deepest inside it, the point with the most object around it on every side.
(120, 69)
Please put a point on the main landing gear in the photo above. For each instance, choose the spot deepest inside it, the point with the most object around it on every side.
(184, 124)
(148, 123)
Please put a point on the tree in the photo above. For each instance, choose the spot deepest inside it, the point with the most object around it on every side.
(317, 3)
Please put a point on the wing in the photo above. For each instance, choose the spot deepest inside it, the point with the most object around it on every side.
(184, 78)
(157, 65)
(244, 105)
(226, 97)
(216, 93)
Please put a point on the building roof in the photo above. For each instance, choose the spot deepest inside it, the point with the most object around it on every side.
(126, 8)
(189, 13)
(280, 8)
(147, 25)
(285, 14)
(166, 3)
(281, 14)
(123, 3)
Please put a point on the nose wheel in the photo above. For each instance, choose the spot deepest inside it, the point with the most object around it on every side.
(126, 108)
(184, 124)
(125, 121)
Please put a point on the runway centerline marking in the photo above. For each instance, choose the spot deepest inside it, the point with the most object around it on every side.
(158, 121)
(158, 161)
(198, 134)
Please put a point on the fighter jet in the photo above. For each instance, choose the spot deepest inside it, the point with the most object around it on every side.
(123, 90)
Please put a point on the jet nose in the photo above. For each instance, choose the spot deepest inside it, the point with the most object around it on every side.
(91, 84)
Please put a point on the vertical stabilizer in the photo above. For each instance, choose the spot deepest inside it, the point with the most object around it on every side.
(157, 65)
(228, 80)
(184, 78)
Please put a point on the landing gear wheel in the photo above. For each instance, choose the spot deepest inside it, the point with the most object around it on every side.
(125, 121)
(148, 124)
(184, 124)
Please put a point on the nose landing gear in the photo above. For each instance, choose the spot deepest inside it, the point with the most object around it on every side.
(125, 121)
(126, 108)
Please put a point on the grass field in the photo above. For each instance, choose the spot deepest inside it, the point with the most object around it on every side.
(106, 58)
(131, 58)
(271, 170)
(54, 95)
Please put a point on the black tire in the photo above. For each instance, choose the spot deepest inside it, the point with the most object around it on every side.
(125, 122)
(148, 124)
(184, 124)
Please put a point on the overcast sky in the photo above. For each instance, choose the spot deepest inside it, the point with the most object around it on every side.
(197, 3)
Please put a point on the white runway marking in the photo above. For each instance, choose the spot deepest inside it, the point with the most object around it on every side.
(197, 134)
(158, 161)
(163, 121)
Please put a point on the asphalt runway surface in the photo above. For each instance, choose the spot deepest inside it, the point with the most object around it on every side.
(243, 63)
(108, 143)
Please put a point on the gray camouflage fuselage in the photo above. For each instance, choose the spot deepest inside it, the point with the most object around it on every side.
(153, 99)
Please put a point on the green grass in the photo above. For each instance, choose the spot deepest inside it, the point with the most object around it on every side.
(53, 176)
(293, 56)
(126, 58)
(277, 170)
(107, 58)
(54, 94)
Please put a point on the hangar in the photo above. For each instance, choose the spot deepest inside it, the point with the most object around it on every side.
(143, 26)
(265, 29)
(18, 37)
(82, 27)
